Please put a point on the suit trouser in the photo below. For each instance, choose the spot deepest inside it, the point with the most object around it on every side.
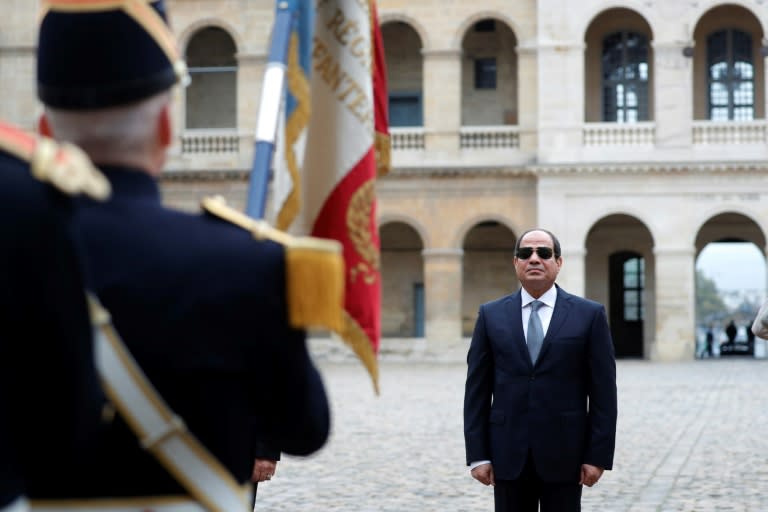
(528, 491)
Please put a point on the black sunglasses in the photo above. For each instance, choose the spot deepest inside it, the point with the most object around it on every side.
(526, 252)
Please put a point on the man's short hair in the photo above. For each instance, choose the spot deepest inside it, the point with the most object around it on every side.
(555, 241)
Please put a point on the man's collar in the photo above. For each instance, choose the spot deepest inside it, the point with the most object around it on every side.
(549, 297)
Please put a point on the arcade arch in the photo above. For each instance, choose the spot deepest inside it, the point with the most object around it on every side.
(489, 71)
(488, 271)
(402, 281)
(619, 273)
(741, 304)
(405, 82)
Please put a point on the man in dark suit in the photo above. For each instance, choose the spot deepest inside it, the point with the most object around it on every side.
(50, 397)
(204, 307)
(540, 399)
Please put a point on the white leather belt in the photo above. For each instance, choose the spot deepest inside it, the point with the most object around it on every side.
(159, 430)
(19, 505)
(148, 504)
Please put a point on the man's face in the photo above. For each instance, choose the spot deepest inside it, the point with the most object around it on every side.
(535, 273)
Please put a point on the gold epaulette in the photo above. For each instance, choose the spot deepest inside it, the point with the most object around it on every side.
(64, 166)
(314, 269)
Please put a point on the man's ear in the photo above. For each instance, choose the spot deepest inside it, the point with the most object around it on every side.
(165, 128)
(44, 126)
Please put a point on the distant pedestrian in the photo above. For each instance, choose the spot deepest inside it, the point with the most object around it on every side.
(709, 340)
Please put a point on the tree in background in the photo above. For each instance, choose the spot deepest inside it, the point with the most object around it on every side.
(709, 302)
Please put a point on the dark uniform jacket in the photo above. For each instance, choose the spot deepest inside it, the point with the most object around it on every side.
(50, 398)
(201, 305)
(561, 411)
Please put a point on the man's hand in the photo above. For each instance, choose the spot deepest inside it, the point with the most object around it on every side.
(263, 469)
(590, 474)
(484, 474)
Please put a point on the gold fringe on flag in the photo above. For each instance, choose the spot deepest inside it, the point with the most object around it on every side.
(354, 336)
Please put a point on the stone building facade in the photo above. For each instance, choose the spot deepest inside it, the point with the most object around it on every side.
(635, 130)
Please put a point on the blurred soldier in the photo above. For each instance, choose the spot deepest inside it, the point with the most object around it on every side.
(50, 397)
(212, 312)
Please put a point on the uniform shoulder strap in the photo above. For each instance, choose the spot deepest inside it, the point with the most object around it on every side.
(64, 166)
(314, 269)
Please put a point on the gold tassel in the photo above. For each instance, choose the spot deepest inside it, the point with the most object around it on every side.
(315, 283)
(314, 270)
(356, 338)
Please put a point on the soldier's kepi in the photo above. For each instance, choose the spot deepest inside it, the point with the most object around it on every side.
(211, 308)
(101, 53)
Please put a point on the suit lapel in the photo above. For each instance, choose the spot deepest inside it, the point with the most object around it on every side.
(513, 307)
(562, 307)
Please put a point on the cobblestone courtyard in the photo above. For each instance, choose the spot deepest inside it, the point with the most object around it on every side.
(691, 437)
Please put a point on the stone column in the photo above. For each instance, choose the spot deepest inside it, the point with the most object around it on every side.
(672, 75)
(572, 276)
(442, 288)
(675, 304)
(527, 96)
(561, 100)
(442, 102)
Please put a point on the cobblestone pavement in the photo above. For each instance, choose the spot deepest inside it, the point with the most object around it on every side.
(690, 438)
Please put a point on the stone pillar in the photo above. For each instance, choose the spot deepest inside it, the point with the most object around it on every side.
(675, 304)
(672, 87)
(442, 287)
(561, 101)
(572, 277)
(442, 102)
(527, 96)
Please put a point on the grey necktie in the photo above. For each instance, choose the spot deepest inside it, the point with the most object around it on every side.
(535, 331)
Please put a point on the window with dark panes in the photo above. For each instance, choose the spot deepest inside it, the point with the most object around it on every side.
(625, 77)
(730, 76)
(211, 97)
(405, 109)
(485, 73)
(634, 277)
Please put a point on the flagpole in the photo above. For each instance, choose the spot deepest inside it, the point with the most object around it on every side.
(269, 110)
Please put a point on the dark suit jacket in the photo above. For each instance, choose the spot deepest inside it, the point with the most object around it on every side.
(50, 395)
(202, 307)
(562, 410)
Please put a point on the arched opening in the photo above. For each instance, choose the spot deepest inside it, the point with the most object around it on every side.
(618, 65)
(402, 280)
(488, 269)
(619, 274)
(489, 75)
(728, 66)
(730, 284)
(211, 98)
(402, 50)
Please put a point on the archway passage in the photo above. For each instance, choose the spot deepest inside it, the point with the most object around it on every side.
(730, 282)
(619, 274)
(489, 271)
(402, 276)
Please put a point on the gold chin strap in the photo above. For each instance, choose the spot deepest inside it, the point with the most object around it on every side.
(142, 13)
